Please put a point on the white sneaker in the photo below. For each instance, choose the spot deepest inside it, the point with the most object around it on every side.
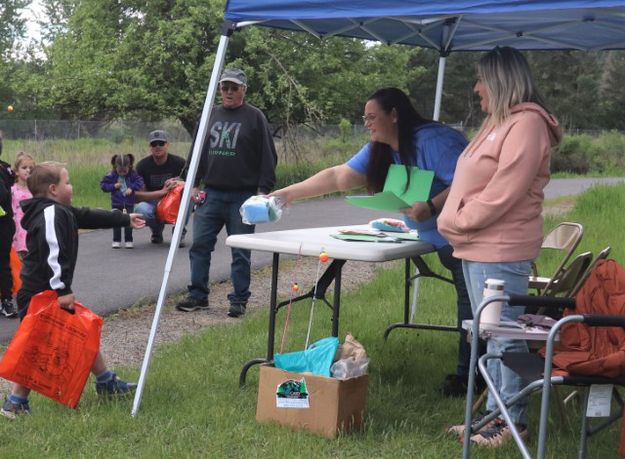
(130, 245)
(116, 245)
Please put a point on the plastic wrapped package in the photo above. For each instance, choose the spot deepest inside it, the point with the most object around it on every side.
(260, 209)
(350, 368)
(351, 359)
(389, 225)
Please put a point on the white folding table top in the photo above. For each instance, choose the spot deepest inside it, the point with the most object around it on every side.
(311, 241)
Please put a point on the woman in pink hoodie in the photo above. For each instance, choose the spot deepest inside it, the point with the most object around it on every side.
(493, 214)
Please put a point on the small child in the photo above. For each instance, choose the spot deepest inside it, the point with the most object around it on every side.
(122, 182)
(7, 229)
(52, 227)
(24, 164)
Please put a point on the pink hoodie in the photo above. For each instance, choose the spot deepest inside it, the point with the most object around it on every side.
(494, 209)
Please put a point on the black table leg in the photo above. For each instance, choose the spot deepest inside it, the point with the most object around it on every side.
(337, 299)
(331, 274)
(424, 271)
(273, 309)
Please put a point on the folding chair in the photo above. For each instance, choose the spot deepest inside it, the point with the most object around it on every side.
(562, 287)
(565, 237)
(602, 256)
(568, 277)
(532, 368)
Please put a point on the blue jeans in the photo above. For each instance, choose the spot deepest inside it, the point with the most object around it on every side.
(148, 210)
(218, 209)
(464, 312)
(516, 277)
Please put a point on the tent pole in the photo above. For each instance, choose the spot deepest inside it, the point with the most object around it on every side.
(439, 87)
(227, 30)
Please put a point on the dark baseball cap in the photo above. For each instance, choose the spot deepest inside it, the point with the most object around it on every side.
(235, 75)
(157, 135)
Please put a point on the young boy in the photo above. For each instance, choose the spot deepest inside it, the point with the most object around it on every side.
(52, 241)
(7, 229)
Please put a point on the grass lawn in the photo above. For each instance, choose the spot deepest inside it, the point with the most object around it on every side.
(193, 407)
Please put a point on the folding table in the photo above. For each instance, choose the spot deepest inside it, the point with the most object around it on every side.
(311, 242)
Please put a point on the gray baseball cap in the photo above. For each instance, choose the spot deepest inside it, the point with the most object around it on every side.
(235, 75)
(157, 135)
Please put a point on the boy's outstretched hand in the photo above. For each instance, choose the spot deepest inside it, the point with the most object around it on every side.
(67, 302)
(137, 221)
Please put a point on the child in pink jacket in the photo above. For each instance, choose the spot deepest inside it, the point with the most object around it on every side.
(24, 164)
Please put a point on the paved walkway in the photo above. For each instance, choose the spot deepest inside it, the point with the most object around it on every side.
(107, 280)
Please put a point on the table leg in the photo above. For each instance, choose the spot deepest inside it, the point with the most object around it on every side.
(337, 300)
(273, 309)
(423, 271)
(331, 274)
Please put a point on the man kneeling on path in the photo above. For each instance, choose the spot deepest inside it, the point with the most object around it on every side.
(238, 161)
(160, 172)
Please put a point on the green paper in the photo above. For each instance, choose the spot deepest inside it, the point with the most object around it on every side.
(395, 196)
(385, 200)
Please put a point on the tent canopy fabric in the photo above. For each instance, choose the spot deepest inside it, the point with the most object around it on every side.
(464, 25)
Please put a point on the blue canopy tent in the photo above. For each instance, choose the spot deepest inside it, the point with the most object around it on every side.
(445, 26)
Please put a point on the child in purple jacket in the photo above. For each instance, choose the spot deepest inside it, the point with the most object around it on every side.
(122, 182)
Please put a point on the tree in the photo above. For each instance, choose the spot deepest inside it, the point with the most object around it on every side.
(12, 25)
(569, 82)
(57, 14)
(612, 91)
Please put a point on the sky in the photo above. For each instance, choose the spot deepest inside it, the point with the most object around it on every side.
(33, 13)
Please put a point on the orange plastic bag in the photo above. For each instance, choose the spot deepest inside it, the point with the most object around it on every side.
(53, 350)
(167, 208)
(16, 267)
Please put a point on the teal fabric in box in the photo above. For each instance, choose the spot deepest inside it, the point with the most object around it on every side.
(317, 359)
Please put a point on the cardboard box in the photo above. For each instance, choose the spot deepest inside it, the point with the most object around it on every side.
(330, 405)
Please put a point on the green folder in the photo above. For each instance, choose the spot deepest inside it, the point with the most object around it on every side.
(395, 196)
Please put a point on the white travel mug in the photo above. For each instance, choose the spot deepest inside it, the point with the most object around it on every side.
(491, 314)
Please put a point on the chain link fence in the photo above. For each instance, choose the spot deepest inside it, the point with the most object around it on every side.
(115, 131)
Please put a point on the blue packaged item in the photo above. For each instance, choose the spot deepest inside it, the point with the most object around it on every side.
(389, 225)
(260, 209)
(317, 359)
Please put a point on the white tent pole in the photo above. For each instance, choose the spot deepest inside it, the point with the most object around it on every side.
(184, 204)
(439, 87)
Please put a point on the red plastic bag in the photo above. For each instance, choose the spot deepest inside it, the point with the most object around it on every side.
(53, 350)
(16, 267)
(167, 208)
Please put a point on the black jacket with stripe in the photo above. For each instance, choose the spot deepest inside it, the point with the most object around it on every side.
(7, 178)
(52, 242)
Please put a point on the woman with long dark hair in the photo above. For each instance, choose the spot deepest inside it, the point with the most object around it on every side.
(399, 135)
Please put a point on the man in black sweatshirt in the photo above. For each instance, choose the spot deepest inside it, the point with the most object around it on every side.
(238, 161)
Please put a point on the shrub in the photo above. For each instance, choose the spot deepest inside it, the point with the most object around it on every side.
(345, 127)
(572, 155)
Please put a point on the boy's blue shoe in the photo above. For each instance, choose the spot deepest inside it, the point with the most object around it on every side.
(115, 386)
(13, 410)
